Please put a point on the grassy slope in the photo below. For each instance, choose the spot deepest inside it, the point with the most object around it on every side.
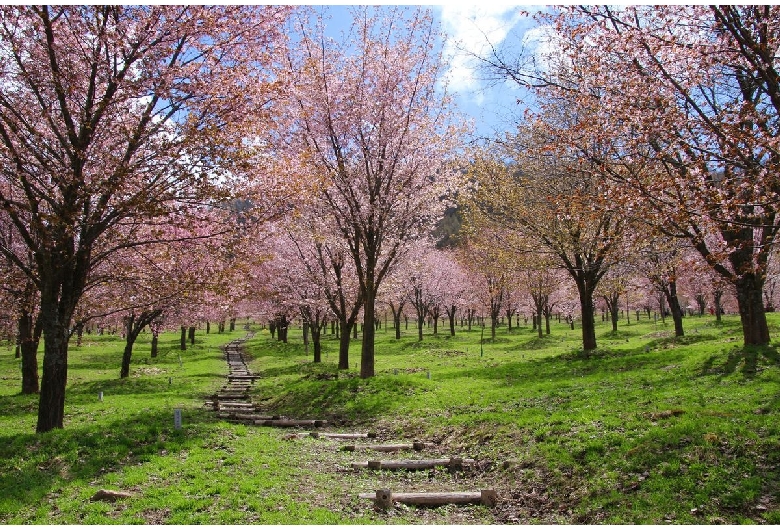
(648, 429)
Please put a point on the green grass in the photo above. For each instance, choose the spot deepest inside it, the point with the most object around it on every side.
(648, 428)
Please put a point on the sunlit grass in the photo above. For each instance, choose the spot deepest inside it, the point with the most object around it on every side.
(648, 428)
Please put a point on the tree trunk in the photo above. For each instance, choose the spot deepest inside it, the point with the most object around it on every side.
(55, 319)
(153, 354)
(344, 339)
(547, 316)
(451, 316)
(587, 310)
(397, 318)
(79, 333)
(717, 297)
(183, 341)
(232, 324)
(316, 332)
(538, 322)
(208, 327)
(674, 306)
(750, 302)
(29, 337)
(191, 334)
(367, 350)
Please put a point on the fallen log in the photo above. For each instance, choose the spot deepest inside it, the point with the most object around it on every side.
(384, 498)
(388, 448)
(452, 464)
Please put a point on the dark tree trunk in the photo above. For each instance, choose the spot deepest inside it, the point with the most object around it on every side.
(51, 405)
(547, 317)
(751, 310)
(155, 339)
(208, 327)
(133, 329)
(588, 322)
(305, 333)
(191, 334)
(612, 300)
(316, 332)
(670, 291)
(451, 315)
(367, 350)
(538, 320)
(29, 337)
(717, 298)
(79, 333)
(284, 326)
(183, 340)
(344, 339)
(232, 324)
(59, 296)
(396, 311)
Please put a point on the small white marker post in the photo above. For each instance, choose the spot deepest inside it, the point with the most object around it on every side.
(177, 419)
(100, 395)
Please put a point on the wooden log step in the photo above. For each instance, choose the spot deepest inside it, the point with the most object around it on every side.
(244, 416)
(385, 498)
(452, 464)
(331, 435)
(229, 404)
(342, 435)
(389, 448)
(290, 423)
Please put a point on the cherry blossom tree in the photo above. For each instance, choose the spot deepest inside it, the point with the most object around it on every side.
(373, 127)
(110, 113)
(689, 98)
(555, 204)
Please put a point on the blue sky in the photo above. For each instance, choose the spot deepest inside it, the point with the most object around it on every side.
(492, 106)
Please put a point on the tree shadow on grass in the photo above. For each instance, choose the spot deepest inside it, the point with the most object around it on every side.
(35, 466)
(749, 358)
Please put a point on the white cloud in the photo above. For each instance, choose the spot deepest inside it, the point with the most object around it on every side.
(473, 31)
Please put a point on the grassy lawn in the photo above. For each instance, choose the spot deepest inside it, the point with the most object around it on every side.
(647, 429)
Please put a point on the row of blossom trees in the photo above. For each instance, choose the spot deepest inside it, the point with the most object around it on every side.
(667, 120)
(120, 128)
